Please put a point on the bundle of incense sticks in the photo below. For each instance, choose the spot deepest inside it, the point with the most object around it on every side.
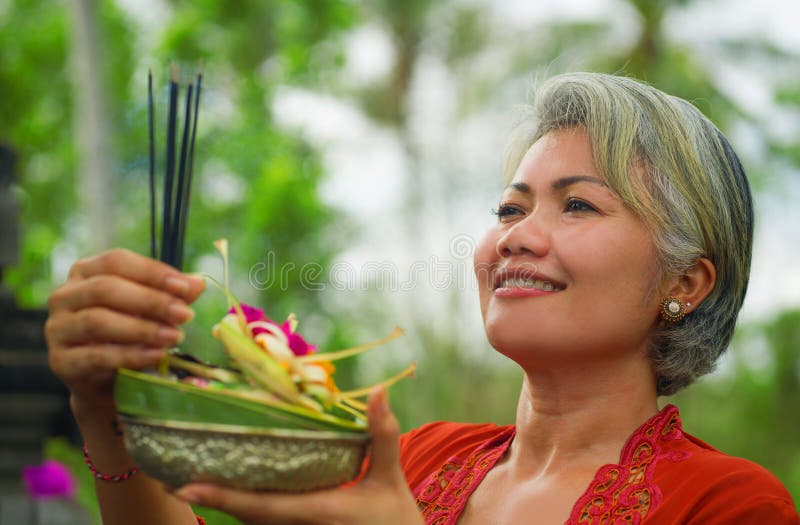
(176, 191)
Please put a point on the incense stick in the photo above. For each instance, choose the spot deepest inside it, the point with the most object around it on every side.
(177, 186)
(152, 152)
(169, 175)
(190, 170)
(179, 194)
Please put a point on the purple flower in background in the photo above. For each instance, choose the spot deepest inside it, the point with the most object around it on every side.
(51, 479)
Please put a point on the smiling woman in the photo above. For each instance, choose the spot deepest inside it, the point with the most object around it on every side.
(675, 170)
(613, 274)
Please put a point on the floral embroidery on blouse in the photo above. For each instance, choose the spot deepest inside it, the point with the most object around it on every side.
(625, 493)
(618, 494)
(442, 496)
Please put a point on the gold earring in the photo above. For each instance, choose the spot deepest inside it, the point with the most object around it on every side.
(672, 310)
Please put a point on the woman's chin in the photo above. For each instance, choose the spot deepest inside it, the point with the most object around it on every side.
(523, 348)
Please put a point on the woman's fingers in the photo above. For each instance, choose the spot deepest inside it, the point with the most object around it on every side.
(123, 295)
(98, 362)
(120, 297)
(255, 508)
(117, 309)
(141, 269)
(101, 325)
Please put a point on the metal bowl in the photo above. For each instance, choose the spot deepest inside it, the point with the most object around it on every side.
(179, 452)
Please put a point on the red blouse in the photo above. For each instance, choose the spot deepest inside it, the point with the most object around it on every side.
(665, 476)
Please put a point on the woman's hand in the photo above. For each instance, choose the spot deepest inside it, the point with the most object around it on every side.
(117, 309)
(381, 497)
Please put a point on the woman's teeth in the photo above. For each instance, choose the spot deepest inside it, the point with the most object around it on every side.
(518, 282)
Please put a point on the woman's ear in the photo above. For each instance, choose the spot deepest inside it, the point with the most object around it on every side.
(694, 285)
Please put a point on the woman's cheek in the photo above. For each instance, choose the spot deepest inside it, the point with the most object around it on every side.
(484, 260)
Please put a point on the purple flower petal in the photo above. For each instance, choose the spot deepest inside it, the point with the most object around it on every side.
(51, 479)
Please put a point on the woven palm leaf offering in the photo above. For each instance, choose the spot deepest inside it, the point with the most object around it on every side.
(273, 419)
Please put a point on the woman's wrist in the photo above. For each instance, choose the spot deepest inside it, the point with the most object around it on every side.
(102, 434)
(91, 412)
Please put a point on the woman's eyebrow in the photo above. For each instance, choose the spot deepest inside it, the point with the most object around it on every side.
(560, 184)
(520, 187)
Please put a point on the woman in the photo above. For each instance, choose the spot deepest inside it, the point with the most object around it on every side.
(613, 275)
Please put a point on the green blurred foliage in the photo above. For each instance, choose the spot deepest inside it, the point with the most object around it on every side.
(36, 112)
(751, 410)
(278, 210)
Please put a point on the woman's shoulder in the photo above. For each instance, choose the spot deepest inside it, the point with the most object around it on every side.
(708, 462)
(713, 487)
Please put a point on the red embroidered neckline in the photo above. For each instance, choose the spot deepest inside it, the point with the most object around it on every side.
(442, 496)
(623, 493)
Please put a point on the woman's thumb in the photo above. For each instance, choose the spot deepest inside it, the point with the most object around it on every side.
(385, 431)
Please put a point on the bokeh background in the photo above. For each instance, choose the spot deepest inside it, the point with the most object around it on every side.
(351, 153)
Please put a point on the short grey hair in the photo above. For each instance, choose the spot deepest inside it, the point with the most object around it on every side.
(675, 169)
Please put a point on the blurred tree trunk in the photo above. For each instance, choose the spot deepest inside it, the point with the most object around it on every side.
(91, 125)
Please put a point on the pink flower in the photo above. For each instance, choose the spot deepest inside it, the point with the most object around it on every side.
(51, 479)
(297, 344)
(251, 313)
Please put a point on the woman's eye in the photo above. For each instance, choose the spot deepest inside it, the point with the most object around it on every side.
(577, 205)
(504, 211)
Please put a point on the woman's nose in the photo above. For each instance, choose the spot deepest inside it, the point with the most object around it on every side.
(528, 236)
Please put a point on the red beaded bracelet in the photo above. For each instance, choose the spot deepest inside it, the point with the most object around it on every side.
(105, 477)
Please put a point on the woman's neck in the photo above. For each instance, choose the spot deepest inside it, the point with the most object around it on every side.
(579, 417)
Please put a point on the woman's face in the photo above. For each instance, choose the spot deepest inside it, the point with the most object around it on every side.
(568, 271)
